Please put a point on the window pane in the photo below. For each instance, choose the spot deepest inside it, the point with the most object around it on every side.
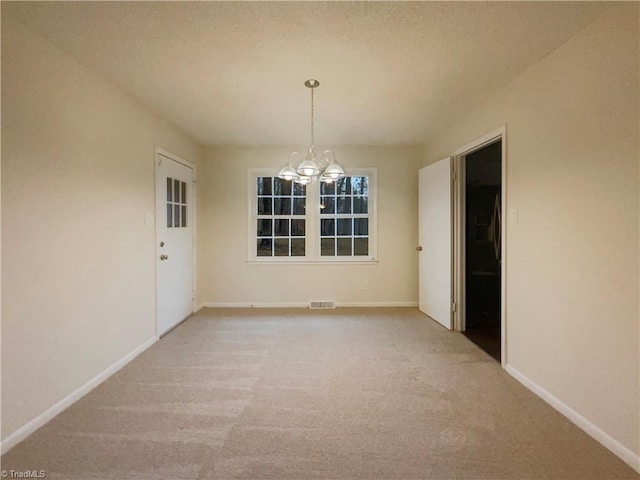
(169, 190)
(176, 191)
(298, 206)
(361, 246)
(183, 216)
(169, 215)
(327, 227)
(297, 247)
(329, 205)
(281, 247)
(282, 206)
(360, 205)
(361, 226)
(264, 206)
(327, 188)
(297, 228)
(264, 185)
(327, 247)
(264, 227)
(281, 187)
(264, 247)
(360, 186)
(280, 228)
(343, 186)
(344, 205)
(176, 215)
(183, 192)
(299, 190)
(344, 247)
(344, 226)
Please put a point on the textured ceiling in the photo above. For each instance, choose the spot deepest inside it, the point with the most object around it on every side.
(232, 73)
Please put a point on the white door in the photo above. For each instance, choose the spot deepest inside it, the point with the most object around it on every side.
(174, 237)
(435, 240)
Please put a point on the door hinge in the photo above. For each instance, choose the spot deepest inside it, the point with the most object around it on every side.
(453, 307)
(454, 176)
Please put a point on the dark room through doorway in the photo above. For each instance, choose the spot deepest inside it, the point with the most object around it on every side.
(482, 245)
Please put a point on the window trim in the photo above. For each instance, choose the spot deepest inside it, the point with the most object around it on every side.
(312, 228)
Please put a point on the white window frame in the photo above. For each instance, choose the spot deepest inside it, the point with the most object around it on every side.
(312, 226)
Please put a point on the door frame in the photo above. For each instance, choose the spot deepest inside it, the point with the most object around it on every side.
(158, 198)
(459, 233)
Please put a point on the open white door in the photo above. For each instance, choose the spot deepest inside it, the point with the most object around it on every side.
(435, 237)
(174, 236)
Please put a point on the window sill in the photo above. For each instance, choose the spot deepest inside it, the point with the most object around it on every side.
(288, 262)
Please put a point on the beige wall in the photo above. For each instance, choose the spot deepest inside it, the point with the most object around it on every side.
(572, 258)
(78, 264)
(225, 277)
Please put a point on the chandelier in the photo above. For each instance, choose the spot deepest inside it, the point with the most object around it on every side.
(313, 168)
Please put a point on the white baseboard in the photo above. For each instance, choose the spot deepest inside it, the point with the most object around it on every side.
(31, 426)
(377, 304)
(302, 305)
(253, 305)
(625, 454)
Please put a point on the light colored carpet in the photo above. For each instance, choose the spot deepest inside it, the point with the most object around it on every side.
(297, 394)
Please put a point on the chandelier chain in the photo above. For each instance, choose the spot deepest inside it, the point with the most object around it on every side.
(312, 142)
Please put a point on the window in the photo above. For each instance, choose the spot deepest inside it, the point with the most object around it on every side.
(280, 219)
(176, 203)
(344, 217)
(320, 222)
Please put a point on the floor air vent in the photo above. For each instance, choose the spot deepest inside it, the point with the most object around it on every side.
(320, 305)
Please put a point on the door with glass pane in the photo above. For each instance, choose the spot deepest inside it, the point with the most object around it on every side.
(174, 237)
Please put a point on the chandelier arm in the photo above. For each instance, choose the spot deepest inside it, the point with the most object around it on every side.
(333, 154)
(291, 155)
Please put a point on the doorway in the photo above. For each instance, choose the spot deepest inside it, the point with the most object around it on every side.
(456, 221)
(481, 246)
(175, 222)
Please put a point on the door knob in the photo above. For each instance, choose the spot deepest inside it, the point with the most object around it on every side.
(419, 248)
(164, 257)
